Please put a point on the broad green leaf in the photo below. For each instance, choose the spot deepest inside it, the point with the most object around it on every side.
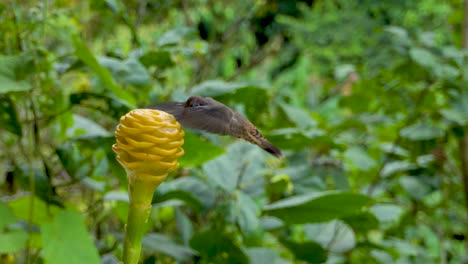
(415, 187)
(129, 71)
(335, 235)
(6, 216)
(299, 117)
(259, 255)
(317, 207)
(9, 117)
(13, 71)
(162, 195)
(216, 247)
(84, 127)
(362, 221)
(387, 212)
(185, 226)
(309, 251)
(66, 240)
(393, 167)
(43, 213)
(194, 191)
(83, 53)
(295, 139)
(458, 112)
(198, 150)
(247, 213)
(423, 57)
(271, 223)
(421, 132)
(158, 243)
(8, 85)
(13, 241)
(159, 58)
(394, 149)
(174, 36)
(359, 159)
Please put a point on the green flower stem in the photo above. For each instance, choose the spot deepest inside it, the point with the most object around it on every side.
(140, 191)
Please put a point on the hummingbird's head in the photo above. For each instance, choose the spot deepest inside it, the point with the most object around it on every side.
(194, 101)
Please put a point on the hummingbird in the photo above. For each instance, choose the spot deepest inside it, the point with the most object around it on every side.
(207, 114)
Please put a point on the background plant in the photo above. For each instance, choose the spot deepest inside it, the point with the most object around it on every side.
(367, 99)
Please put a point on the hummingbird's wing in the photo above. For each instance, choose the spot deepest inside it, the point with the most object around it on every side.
(211, 118)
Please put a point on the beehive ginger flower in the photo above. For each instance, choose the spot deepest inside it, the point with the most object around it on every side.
(149, 143)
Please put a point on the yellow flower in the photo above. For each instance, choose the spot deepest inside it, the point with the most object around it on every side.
(149, 143)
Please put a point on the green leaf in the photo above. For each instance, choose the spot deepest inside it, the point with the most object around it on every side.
(335, 235)
(387, 212)
(295, 139)
(415, 187)
(216, 247)
(6, 216)
(299, 117)
(9, 117)
(85, 127)
(8, 85)
(42, 186)
(198, 150)
(66, 240)
(83, 53)
(423, 57)
(158, 243)
(309, 251)
(359, 159)
(247, 213)
(162, 195)
(418, 132)
(129, 71)
(104, 104)
(42, 212)
(159, 58)
(393, 167)
(362, 221)
(12, 72)
(174, 36)
(458, 112)
(188, 189)
(13, 241)
(317, 207)
(261, 255)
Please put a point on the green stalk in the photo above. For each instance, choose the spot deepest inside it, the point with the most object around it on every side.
(140, 192)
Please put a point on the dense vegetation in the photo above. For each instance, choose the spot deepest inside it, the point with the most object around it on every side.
(367, 99)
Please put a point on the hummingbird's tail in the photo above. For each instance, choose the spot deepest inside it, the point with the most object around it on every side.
(268, 147)
(258, 139)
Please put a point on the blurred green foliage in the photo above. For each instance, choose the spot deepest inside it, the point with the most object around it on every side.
(367, 99)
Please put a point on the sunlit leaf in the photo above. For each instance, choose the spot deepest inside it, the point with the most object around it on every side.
(13, 241)
(6, 215)
(335, 235)
(198, 150)
(43, 212)
(65, 240)
(247, 216)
